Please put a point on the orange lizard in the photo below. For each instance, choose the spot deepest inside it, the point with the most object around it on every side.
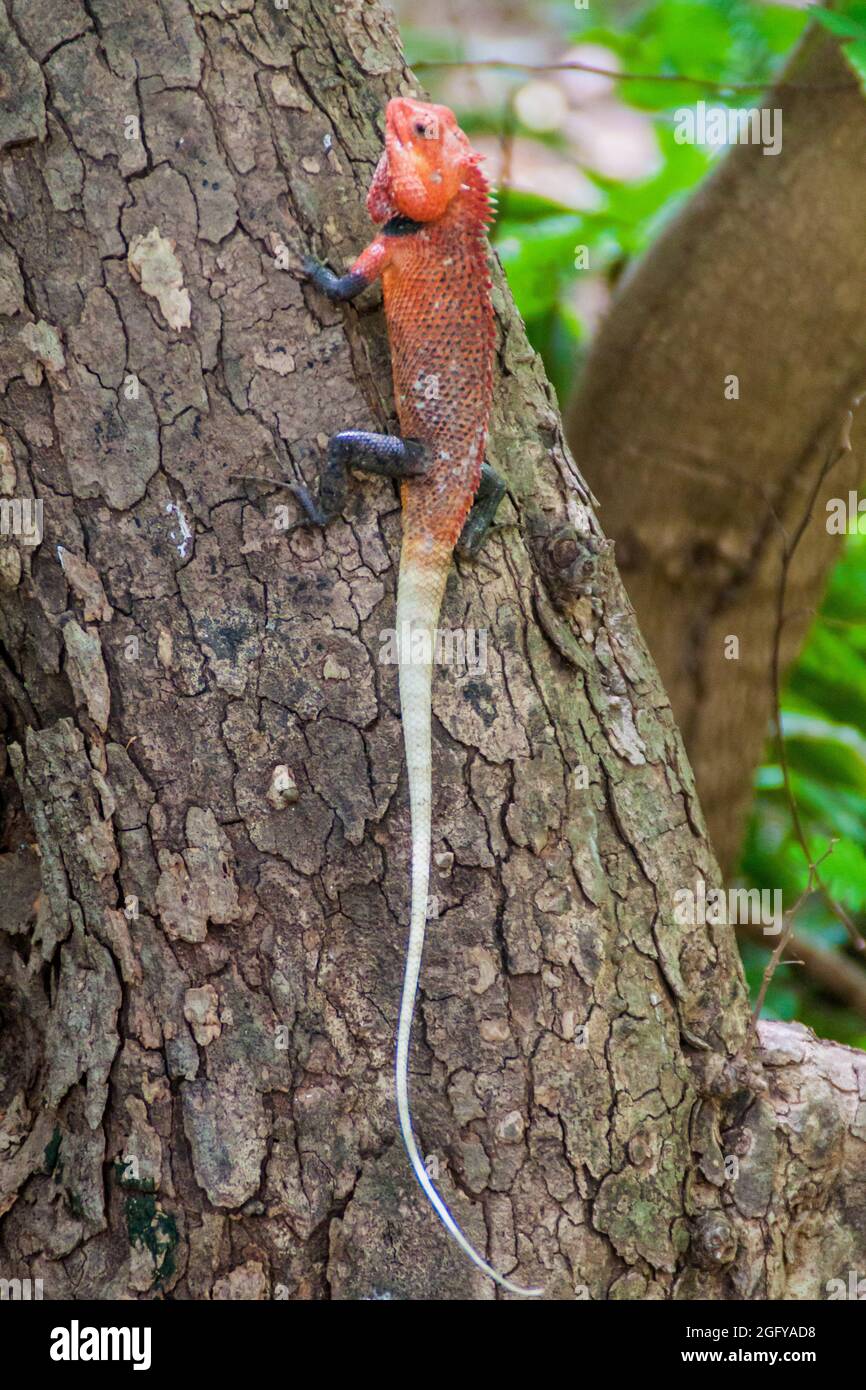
(432, 203)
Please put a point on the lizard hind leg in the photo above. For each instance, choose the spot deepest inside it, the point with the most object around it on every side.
(387, 455)
(491, 491)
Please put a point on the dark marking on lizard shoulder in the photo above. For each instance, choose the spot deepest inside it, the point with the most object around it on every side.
(398, 225)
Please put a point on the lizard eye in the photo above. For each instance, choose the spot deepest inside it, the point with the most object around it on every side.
(427, 131)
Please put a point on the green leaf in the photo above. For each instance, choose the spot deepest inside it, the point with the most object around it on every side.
(771, 858)
(846, 593)
(779, 26)
(832, 676)
(558, 335)
(519, 206)
(692, 35)
(830, 752)
(843, 872)
(431, 45)
(831, 809)
(844, 25)
(536, 256)
(855, 54)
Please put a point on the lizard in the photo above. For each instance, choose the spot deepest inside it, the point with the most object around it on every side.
(431, 203)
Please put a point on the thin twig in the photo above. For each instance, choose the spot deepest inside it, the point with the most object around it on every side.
(260, 478)
(832, 972)
(713, 84)
(772, 964)
(789, 546)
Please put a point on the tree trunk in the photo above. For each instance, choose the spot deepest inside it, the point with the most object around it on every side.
(762, 277)
(200, 999)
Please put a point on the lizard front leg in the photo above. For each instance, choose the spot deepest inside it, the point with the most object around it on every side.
(368, 266)
(336, 287)
(387, 455)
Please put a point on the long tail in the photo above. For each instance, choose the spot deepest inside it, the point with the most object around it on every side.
(419, 596)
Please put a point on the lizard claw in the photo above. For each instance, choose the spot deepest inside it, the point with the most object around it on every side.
(310, 264)
(313, 514)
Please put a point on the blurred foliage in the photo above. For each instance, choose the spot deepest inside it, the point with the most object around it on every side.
(824, 727)
(741, 42)
(721, 41)
(849, 24)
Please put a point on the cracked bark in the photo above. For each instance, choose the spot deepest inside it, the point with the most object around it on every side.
(699, 491)
(206, 824)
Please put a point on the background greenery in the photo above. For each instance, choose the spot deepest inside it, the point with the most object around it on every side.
(722, 41)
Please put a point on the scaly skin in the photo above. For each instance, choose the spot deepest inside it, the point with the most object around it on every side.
(433, 201)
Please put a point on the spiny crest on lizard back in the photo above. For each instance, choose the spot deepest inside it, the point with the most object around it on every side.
(426, 164)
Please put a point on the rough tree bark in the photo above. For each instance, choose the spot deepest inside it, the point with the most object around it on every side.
(206, 835)
(763, 276)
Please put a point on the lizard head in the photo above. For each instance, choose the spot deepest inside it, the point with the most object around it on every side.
(426, 162)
